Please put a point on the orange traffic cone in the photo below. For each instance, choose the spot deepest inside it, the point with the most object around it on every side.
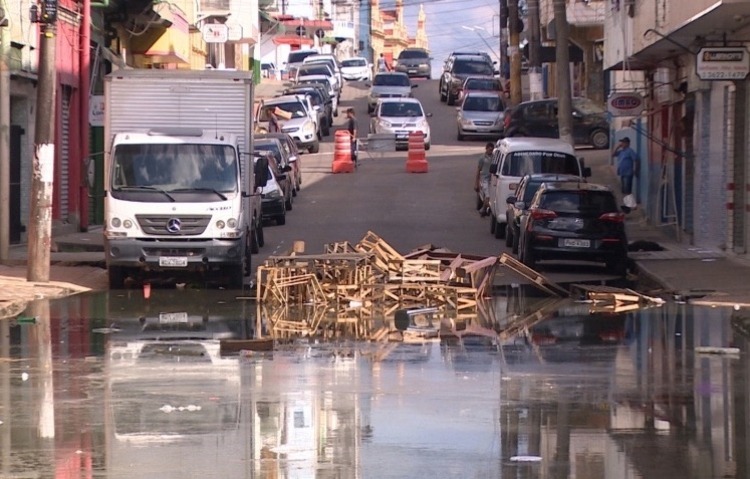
(342, 153)
(416, 162)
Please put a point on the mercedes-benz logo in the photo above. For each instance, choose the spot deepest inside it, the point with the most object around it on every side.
(174, 225)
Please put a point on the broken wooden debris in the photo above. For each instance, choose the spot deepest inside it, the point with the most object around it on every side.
(536, 278)
(618, 297)
(234, 346)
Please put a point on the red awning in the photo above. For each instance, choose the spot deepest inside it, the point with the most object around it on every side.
(308, 24)
(294, 40)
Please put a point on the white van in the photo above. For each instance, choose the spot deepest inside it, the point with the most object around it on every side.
(516, 157)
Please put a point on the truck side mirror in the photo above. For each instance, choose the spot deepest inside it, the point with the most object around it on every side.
(90, 173)
(260, 171)
(587, 172)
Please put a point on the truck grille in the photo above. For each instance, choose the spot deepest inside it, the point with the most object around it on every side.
(189, 252)
(183, 225)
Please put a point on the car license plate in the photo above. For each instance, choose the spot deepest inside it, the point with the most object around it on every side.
(173, 261)
(412, 71)
(576, 243)
(402, 136)
(170, 318)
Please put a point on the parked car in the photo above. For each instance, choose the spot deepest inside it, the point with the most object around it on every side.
(302, 124)
(388, 85)
(481, 115)
(479, 83)
(457, 70)
(273, 207)
(401, 116)
(283, 163)
(295, 59)
(519, 200)
(324, 81)
(293, 156)
(415, 62)
(539, 118)
(331, 61)
(514, 158)
(356, 69)
(574, 221)
(320, 68)
(318, 108)
(267, 70)
(319, 97)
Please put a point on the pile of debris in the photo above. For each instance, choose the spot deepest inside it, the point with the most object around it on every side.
(373, 275)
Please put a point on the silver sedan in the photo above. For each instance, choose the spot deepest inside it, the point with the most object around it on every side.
(481, 115)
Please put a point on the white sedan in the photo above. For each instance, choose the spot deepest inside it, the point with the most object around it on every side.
(356, 69)
(399, 117)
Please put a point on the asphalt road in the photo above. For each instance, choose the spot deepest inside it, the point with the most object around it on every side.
(406, 209)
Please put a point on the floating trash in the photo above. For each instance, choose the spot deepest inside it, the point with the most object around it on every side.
(526, 459)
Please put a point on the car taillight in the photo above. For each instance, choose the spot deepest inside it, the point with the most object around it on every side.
(540, 214)
(506, 120)
(614, 217)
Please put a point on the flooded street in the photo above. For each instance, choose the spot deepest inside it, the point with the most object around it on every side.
(115, 386)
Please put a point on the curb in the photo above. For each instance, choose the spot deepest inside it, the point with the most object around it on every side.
(643, 271)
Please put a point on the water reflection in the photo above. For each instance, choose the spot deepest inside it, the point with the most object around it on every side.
(615, 395)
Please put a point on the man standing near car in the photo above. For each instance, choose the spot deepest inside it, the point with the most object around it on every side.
(627, 165)
(482, 179)
(351, 127)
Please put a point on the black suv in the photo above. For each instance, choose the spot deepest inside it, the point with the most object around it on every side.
(539, 118)
(415, 62)
(574, 221)
(457, 69)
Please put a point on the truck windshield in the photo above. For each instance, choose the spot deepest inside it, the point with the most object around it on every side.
(170, 167)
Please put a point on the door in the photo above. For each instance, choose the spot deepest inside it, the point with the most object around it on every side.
(64, 153)
(581, 127)
(495, 203)
(16, 228)
(540, 119)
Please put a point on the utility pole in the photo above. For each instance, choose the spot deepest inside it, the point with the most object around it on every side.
(504, 61)
(515, 53)
(43, 164)
(564, 97)
(4, 135)
(535, 52)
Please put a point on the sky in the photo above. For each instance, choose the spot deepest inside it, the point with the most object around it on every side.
(445, 22)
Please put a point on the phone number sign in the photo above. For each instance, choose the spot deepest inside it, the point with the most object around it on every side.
(723, 63)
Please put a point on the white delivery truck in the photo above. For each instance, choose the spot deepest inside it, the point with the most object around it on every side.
(180, 193)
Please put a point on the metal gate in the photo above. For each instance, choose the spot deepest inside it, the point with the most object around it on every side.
(64, 156)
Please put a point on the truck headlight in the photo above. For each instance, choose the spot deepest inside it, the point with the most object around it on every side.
(127, 224)
(116, 223)
(232, 223)
(220, 224)
(273, 194)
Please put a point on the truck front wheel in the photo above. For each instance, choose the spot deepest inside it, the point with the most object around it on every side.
(117, 276)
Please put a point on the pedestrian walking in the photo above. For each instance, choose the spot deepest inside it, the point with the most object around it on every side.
(627, 169)
(482, 179)
(382, 64)
(351, 127)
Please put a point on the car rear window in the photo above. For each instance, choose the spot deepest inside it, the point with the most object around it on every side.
(391, 80)
(406, 54)
(482, 84)
(354, 62)
(472, 67)
(310, 69)
(298, 56)
(579, 201)
(483, 103)
(521, 163)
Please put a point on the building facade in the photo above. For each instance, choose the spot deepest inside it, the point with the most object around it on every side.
(586, 20)
(693, 132)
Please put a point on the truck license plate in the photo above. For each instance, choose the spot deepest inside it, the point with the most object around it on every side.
(169, 318)
(173, 261)
(576, 243)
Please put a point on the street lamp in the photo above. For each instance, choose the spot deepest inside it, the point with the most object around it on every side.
(476, 29)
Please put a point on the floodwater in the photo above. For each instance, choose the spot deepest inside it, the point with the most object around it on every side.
(115, 386)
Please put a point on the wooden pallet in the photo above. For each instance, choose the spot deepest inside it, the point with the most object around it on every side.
(536, 278)
(612, 295)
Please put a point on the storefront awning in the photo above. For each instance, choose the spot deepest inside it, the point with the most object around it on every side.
(293, 40)
(723, 17)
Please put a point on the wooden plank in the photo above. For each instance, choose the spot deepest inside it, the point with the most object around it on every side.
(537, 279)
(229, 346)
(474, 266)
